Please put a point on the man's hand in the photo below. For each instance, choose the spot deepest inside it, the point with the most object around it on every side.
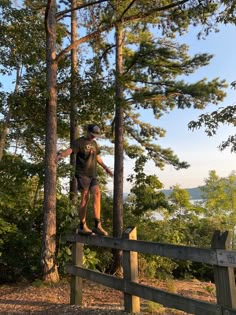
(63, 154)
(109, 172)
(59, 156)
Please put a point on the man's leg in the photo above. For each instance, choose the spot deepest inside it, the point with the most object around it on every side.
(82, 228)
(95, 190)
(83, 205)
(83, 187)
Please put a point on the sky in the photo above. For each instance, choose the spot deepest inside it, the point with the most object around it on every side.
(195, 147)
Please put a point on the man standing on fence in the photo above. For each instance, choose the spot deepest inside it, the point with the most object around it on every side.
(87, 156)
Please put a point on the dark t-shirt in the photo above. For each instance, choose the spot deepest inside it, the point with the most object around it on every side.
(86, 156)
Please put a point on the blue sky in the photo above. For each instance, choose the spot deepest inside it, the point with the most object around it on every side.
(195, 147)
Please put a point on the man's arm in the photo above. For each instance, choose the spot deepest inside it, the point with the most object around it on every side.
(63, 153)
(100, 161)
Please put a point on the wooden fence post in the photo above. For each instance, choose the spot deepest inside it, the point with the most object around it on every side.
(224, 276)
(130, 266)
(76, 282)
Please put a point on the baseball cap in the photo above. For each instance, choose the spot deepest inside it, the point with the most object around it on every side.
(94, 130)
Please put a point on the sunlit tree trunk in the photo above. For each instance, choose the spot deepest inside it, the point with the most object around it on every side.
(50, 272)
(73, 108)
(4, 132)
(119, 152)
(7, 118)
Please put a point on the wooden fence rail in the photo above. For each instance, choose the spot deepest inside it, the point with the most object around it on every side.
(222, 259)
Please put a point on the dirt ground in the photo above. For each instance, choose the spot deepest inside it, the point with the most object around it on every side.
(97, 299)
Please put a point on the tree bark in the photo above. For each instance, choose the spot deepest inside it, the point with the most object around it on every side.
(3, 135)
(50, 272)
(119, 152)
(6, 123)
(73, 107)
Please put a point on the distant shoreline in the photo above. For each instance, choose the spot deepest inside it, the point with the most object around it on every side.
(195, 193)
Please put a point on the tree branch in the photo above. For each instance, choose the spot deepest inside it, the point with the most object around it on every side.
(59, 15)
(142, 15)
(48, 7)
(83, 40)
(108, 27)
(128, 7)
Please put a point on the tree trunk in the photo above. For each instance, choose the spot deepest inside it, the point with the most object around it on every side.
(50, 272)
(3, 135)
(73, 107)
(119, 152)
(6, 123)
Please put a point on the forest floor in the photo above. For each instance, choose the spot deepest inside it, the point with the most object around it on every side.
(54, 299)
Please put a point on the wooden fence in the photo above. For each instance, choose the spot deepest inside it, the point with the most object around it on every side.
(222, 259)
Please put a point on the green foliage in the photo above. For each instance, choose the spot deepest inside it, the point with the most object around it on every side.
(63, 257)
(179, 198)
(145, 193)
(210, 289)
(21, 223)
(90, 259)
(37, 283)
(183, 223)
(6, 228)
(220, 195)
(151, 267)
(21, 44)
(153, 307)
(20, 219)
(212, 121)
